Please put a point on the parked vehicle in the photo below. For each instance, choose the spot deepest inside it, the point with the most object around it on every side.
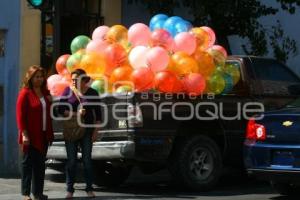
(156, 130)
(272, 148)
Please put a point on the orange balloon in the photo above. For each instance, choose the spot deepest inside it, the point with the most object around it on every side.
(203, 38)
(121, 74)
(94, 64)
(61, 63)
(116, 55)
(205, 63)
(184, 66)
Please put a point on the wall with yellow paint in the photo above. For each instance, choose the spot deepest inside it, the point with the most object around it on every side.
(112, 12)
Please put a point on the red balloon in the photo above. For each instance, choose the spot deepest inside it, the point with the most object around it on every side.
(116, 56)
(142, 78)
(163, 38)
(194, 83)
(165, 81)
(61, 63)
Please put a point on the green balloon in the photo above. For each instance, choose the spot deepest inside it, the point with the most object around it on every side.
(216, 83)
(124, 89)
(234, 71)
(99, 86)
(79, 42)
(74, 60)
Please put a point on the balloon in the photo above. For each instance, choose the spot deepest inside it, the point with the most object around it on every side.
(124, 89)
(117, 34)
(156, 18)
(142, 78)
(157, 59)
(94, 64)
(163, 38)
(100, 32)
(165, 81)
(228, 83)
(116, 55)
(73, 61)
(137, 57)
(203, 38)
(158, 25)
(219, 54)
(234, 71)
(79, 42)
(216, 83)
(205, 63)
(212, 35)
(194, 83)
(59, 88)
(97, 46)
(52, 80)
(184, 65)
(185, 42)
(121, 74)
(183, 26)
(99, 86)
(139, 34)
(61, 63)
(170, 23)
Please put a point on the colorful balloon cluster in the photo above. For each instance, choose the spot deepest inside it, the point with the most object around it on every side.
(169, 55)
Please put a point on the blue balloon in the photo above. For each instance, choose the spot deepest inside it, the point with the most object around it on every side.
(183, 26)
(170, 23)
(229, 83)
(156, 18)
(159, 24)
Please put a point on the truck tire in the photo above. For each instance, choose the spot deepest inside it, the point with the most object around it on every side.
(196, 162)
(286, 188)
(108, 175)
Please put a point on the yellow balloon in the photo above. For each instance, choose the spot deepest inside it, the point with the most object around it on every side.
(118, 34)
(205, 62)
(181, 63)
(234, 71)
(94, 64)
(202, 37)
(216, 83)
(218, 56)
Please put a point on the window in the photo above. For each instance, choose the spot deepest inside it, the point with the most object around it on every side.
(275, 77)
(2, 42)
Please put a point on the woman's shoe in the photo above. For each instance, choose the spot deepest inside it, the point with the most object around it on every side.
(69, 195)
(27, 197)
(91, 194)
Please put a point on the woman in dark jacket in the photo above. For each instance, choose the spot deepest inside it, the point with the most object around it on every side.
(91, 115)
(35, 131)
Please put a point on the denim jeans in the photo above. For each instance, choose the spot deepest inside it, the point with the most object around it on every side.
(33, 171)
(86, 145)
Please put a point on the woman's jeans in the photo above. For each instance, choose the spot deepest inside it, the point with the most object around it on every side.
(86, 145)
(33, 168)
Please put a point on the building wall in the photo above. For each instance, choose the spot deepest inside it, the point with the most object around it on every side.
(112, 12)
(9, 80)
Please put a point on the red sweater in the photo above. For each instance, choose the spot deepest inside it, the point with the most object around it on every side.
(29, 117)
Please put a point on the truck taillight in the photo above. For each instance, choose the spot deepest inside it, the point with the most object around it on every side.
(135, 116)
(255, 131)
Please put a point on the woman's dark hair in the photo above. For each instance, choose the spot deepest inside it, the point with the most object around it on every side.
(27, 82)
(82, 74)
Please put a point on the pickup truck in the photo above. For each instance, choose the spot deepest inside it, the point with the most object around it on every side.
(194, 137)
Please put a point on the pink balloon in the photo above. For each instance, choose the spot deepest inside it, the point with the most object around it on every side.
(185, 42)
(137, 57)
(157, 59)
(211, 33)
(59, 88)
(100, 32)
(163, 38)
(96, 46)
(53, 79)
(194, 83)
(139, 34)
(220, 49)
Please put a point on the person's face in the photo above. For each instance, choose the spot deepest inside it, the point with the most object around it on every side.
(77, 81)
(38, 79)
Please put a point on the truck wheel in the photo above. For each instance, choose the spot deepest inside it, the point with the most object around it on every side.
(285, 188)
(196, 162)
(108, 175)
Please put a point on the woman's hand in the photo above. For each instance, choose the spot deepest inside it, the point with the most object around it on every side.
(25, 139)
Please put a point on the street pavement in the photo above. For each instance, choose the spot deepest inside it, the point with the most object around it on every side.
(147, 187)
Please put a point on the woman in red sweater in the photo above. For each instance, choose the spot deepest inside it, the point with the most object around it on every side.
(35, 131)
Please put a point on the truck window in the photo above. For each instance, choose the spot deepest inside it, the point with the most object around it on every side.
(275, 77)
